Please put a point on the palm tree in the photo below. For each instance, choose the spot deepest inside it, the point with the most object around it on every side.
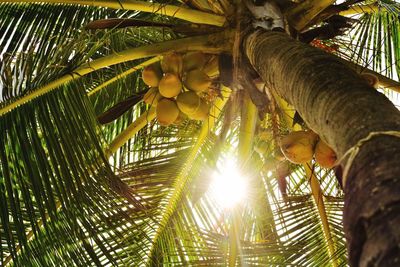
(133, 193)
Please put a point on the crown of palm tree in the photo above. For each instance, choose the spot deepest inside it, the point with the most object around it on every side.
(131, 192)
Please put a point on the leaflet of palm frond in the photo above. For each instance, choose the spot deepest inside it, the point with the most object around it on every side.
(120, 108)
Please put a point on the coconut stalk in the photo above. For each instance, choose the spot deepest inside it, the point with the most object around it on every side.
(359, 123)
(182, 178)
(179, 12)
(319, 201)
(212, 43)
(313, 181)
(305, 12)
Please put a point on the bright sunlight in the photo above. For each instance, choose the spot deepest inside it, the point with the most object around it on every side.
(228, 186)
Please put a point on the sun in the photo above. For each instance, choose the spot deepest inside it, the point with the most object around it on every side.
(228, 187)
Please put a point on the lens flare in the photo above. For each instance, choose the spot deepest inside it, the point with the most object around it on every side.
(228, 186)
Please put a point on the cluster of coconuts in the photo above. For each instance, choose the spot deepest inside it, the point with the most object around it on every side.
(177, 86)
(300, 146)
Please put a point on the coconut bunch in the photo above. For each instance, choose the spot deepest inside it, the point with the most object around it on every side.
(178, 86)
(301, 146)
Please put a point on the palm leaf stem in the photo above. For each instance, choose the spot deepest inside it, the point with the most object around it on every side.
(247, 128)
(182, 178)
(319, 201)
(360, 9)
(303, 13)
(187, 14)
(234, 236)
(383, 80)
(130, 131)
(208, 43)
(124, 74)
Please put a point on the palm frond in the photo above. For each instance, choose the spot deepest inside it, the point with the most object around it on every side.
(375, 40)
(188, 14)
(46, 166)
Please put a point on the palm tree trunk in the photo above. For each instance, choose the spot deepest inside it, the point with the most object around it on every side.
(352, 117)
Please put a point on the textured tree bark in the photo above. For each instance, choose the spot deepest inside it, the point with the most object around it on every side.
(343, 109)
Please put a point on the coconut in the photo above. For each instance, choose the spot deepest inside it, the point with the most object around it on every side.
(298, 147)
(201, 112)
(167, 111)
(170, 85)
(211, 68)
(172, 63)
(197, 80)
(152, 96)
(181, 118)
(193, 60)
(152, 74)
(188, 102)
(324, 155)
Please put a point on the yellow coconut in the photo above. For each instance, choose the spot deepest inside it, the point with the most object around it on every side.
(181, 118)
(170, 85)
(371, 79)
(172, 63)
(298, 147)
(211, 68)
(152, 96)
(197, 80)
(188, 102)
(193, 60)
(152, 74)
(167, 111)
(324, 155)
(201, 112)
